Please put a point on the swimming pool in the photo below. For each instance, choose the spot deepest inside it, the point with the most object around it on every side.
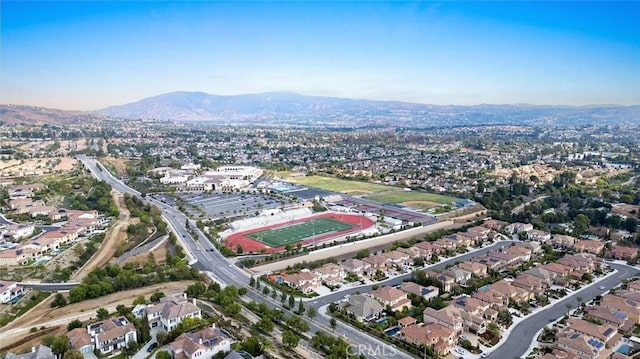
(624, 349)
(392, 331)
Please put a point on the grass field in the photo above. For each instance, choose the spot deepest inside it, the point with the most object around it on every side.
(278, 237)
(339, 185)
(400, 197)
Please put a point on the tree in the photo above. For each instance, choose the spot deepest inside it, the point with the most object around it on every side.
(74, 324)
(102, 313)
(300, 307)
(579, 299)
(139, 300)
(60, 345)
(73, 354)
(155, 297)
(312, 312)
(252, 282)
(289, 339)
(59, 301)
(568, 306)
(333, 323)
(233, 309)
(580, 224)
(292, 301)
(163, 354)
(162, 337)
(265, 324)
(283, 297)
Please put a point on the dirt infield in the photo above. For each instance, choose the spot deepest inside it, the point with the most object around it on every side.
(251, 245)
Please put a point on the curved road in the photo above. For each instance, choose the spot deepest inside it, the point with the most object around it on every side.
(208, 259)
(527, 329)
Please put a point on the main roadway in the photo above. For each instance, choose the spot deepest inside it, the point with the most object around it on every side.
(208, 259)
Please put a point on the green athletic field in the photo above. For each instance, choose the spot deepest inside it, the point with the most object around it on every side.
(340, 185)
(277, 237)
(399, 197)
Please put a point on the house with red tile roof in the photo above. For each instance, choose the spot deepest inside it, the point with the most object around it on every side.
(623, 252)
(391, 297)
(438, 337)
(590, 246)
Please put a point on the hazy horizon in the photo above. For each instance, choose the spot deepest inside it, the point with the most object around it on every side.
(92, 55)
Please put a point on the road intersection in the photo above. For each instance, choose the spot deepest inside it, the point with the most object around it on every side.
(207, 258)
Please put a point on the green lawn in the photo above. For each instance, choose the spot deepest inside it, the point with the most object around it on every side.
(405, 196)
(339, 185)
(277, 237)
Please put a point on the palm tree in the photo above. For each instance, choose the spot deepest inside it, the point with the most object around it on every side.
(569, 306)
(579, 299)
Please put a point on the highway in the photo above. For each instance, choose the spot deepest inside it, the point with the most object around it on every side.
(208, 259)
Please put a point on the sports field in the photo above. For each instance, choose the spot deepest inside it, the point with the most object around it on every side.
(282, 236)
(339, 185)
(411, 196)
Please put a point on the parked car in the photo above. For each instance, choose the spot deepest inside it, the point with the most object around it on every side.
(152, 346)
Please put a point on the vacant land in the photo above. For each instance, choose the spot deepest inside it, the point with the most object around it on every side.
(43, 315)
(406, 197)
(339, 185)
(282, 236)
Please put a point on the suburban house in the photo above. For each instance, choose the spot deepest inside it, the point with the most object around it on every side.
(397, 258)
(356, 266)
(494, 224)
(545, 275)
(514, 293)
(9, 291)
(81, 340)
(112, 334)
(426, 249)
(629, 307)
(392, 297)
(561, 240)
(331, 273)
(39, 352)
(607, 316)
(634, 286)
(460, 276)
(515, 228)
(602, 332)
(377, 262)
(539, 236)
(407, 322)
(305, 281)
(17, 231)
(495, 299)
(589, 246)
(434, 335)
(623, 253)
(447, 316)
(475, 268)
(412, 252)
(447, 282)
(583, 346)
(427, 293)
(363, 307)
(171, 311)
(523, 253)
(531, 283)
(204, 344)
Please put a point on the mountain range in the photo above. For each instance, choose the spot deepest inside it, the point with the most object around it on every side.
(282, 108)
(290, 109)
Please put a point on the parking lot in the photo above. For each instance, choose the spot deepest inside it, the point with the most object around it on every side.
(220, 204)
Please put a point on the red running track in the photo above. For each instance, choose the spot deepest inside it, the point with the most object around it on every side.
(251, 245)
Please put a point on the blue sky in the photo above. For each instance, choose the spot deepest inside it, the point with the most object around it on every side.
(89, 55)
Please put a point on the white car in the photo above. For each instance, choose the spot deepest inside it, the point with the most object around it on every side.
(484, 355)
(459, 351)
(602, 287)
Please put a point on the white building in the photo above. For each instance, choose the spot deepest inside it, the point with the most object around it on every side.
(171, 311)
(9, 291)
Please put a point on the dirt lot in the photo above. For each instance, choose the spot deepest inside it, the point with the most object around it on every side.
(119, 163)
(159, 253)
(43, 315)
(117, 233)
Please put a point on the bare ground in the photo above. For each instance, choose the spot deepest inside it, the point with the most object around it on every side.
(116, 234)
(44, 315)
